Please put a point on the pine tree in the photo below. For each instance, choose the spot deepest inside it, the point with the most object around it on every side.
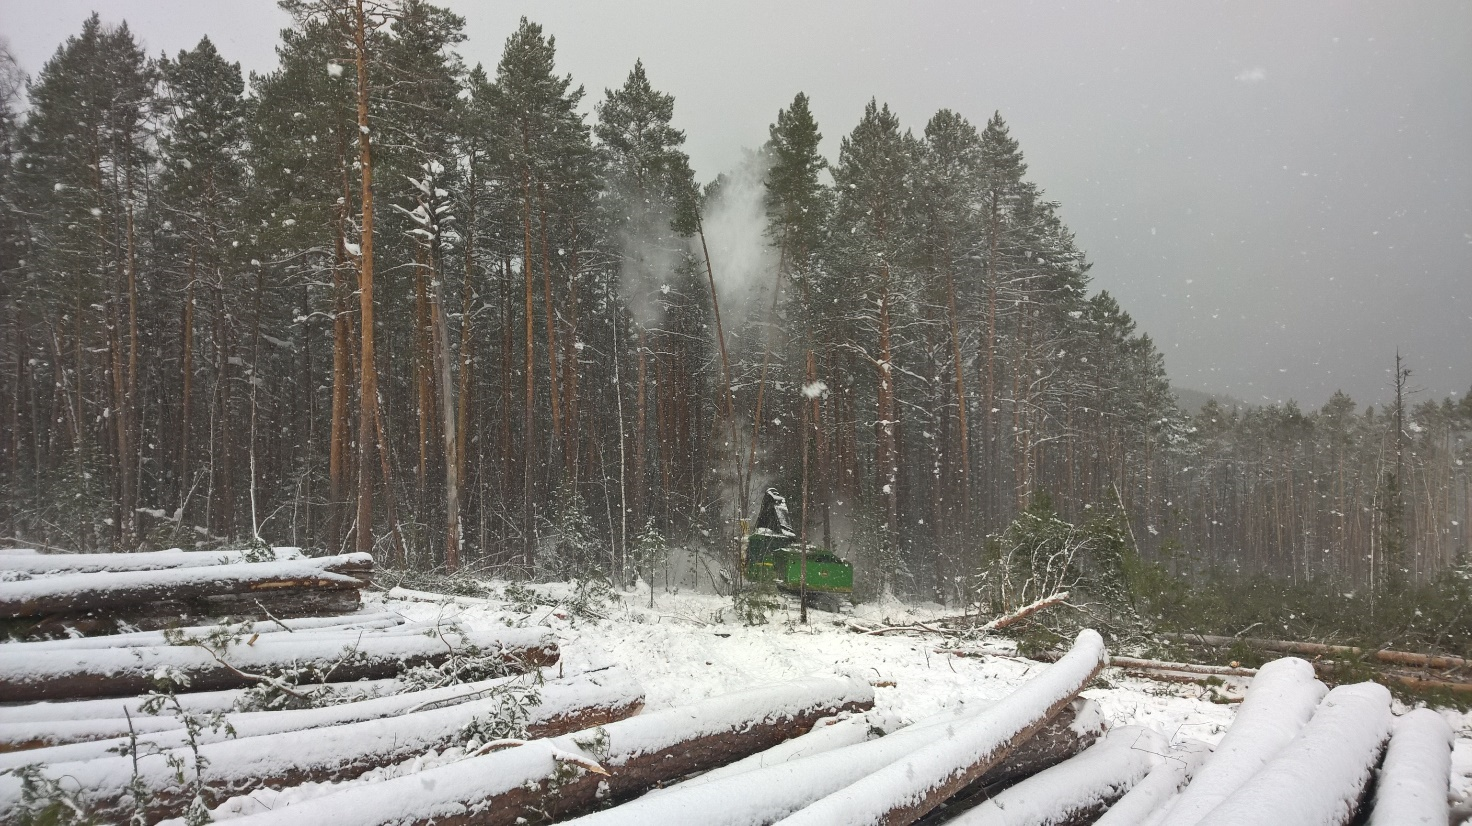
(874, 179)
(203, 182)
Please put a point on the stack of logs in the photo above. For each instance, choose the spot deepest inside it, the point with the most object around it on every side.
(50, 595)
(810, 751)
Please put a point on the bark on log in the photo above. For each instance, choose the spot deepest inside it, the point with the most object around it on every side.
(121, 672)
(1078, 789)
(788, 786)
(1385, 655)
(553, 779)
(43, 564)
(159, 733)
(198, 702)
(327, 754)
(303, 625)
(1321, 776)
(77, 593)
(1077, 727)
(906, 790)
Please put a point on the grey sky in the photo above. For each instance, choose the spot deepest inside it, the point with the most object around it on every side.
(1280, 193)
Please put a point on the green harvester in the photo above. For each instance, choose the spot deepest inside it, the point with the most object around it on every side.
(773, 554)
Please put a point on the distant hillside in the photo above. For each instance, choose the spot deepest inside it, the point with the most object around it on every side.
(1192, 401)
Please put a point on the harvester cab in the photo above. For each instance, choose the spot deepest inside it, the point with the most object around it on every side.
(774, 554)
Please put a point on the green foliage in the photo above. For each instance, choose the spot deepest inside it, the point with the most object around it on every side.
(47, 801)
(755, 603)
(572, 550)
(650, 551)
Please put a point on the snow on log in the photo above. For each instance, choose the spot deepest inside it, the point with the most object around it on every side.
(349, 622)
(340, 752)
(905, 790)
(1320, 777)
(1077, 727)
(42, 564)
(1148, 797)
(1415, 778)
(556, 778)
(1280, 700)
(83, 712)
(165, 732)
(1024, 612)
(77, 593)
(124, 671)
(1077, 788)
(786, 787)
(826, 736)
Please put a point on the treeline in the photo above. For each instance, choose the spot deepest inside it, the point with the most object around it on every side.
(378, 299)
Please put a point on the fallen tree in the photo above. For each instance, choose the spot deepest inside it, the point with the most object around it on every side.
(206, 666)
(1151, 795)
(113, 787)
(309, 625)
(1322, 775)
(787, 786)
(556, 778)
(1078, 788)
(994, 624)
(161, 733)
(85, 712)
(1281, 699)
(1314, 649)
(905, 790)
(96, 602)
(1415, 777)
(43, 564)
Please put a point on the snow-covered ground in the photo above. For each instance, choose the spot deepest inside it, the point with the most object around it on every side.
(689, 647)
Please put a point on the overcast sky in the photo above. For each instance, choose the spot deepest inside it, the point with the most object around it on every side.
(1279, 193)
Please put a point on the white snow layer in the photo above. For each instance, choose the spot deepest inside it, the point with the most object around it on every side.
(267, 652)
(1100, 774)
(455, 788)
(37, 564)
(105, 583)
(1318, 779)
(1281, 699)
(1156, 790)
(1413, 784)
(344, 622)
(87, 712)
(915, 776)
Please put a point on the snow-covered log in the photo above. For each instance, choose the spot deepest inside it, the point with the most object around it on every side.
(339, 752)
(1280, 700)
(124, 671)
(107, 591)
(1148, 797)
(310, 625)
(1320, 778)
(1077, 727)
(43, 564)
(1416, 775)
(788, 786)
(556, 778)
(826, 736)
(1077, 788)
(159, 733)
(905, 790)
(83, 712)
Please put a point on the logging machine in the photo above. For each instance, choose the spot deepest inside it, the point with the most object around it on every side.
(772, 553)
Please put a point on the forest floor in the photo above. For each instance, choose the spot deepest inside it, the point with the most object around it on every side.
(688, 647)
